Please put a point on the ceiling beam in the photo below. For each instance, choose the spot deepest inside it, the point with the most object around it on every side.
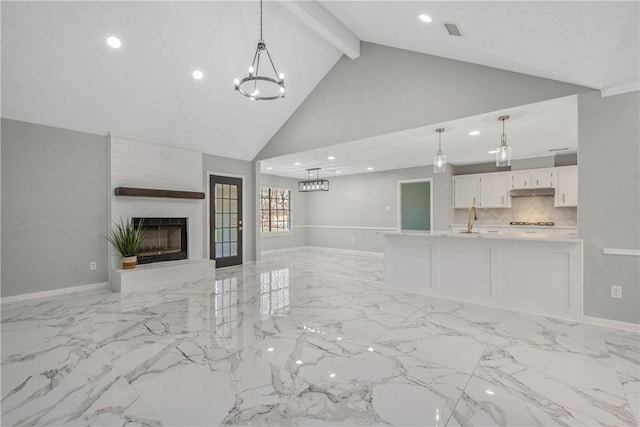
(324, 23)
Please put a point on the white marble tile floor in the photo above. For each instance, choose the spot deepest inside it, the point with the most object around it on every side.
(307, 338)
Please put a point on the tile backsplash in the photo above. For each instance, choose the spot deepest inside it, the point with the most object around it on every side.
(529, 209)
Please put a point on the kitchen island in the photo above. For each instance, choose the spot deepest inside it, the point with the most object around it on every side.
(536, 273)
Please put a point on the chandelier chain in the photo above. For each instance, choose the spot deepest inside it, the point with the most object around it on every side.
(261, 20)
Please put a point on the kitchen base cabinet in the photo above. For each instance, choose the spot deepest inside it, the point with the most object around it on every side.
(537, 274)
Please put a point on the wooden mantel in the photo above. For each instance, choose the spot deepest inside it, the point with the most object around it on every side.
(151, 192)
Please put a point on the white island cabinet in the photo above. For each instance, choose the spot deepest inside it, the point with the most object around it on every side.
(536, 273)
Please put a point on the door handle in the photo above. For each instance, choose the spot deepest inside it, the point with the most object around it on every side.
(239, 228)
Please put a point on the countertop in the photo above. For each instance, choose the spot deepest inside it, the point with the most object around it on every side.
(524, 236)
(523, 227)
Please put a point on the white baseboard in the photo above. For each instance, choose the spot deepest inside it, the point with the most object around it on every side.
(283, 250)
(323, 249)
(55, 292)
(608, 323)
(344, 251)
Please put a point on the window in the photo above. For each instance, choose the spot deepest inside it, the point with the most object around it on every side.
(275, 210)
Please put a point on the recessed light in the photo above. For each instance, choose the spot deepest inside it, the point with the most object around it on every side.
(298, 362)
(269, 168)
(270, 349)
(370, 349)
(425, 18)
(114, 42)
(331, 158)
(489, 392)
(493, 151)
(198, 75)
(338, 171)
(369, 168)
(297, 163)
(332, 375)
(474, 133)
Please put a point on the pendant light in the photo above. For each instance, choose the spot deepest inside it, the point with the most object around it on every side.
(439, 160)
(503, 152)
(263, 87)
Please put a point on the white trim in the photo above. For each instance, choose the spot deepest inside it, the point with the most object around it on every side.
(325, 24)
(344, 251)
(207, 192)
(629, 86)
(324, 249)
(627, 252)
(608, 323)
(284, 250)
(266, 234)
(347, 227)
(55, 292)
(399, 197)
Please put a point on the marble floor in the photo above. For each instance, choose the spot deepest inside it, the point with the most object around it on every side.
(306, 338)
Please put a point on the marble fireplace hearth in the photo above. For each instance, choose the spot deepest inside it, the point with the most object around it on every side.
(163, 275)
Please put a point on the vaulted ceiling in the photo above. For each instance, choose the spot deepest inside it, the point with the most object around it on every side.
(58, 71)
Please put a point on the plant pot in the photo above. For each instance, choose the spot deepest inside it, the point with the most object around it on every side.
(129, 262)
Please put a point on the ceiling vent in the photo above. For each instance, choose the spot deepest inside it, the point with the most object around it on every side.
(453, 29)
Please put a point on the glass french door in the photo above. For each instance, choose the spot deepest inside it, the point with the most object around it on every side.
(225, 220)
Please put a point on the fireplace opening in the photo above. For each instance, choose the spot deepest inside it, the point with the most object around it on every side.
(165, 239)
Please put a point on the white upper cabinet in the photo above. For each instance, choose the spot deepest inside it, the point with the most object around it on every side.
(521, 179)
(543, 178)
(494, 190)
(482, 191)
(533, 178)
(466, 191)
(567, 186)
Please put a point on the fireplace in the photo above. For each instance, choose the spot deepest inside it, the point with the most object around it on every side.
(165, 239)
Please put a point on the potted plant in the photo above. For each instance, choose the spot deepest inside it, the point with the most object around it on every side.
(126, 239)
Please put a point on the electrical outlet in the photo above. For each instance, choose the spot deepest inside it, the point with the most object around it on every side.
(616, 291)
(93, 265)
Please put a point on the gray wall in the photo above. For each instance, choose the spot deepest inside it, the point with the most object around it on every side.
(519, 164)
(609, 200)
(234, 167)
(388, 89)
(54, 208)
(298, 237)
(361, 201)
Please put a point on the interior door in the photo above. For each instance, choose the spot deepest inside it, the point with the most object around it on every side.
(225, 220)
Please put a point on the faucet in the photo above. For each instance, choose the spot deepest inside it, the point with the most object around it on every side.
(469, 220)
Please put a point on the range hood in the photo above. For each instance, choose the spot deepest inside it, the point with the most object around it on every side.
(530, 192)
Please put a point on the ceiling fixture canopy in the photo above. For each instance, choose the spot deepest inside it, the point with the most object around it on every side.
(503, 154)
(263, 87)
(313, 182)
(439, 160)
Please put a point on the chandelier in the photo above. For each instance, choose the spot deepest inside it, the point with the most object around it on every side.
(263, 87)
(313, 182)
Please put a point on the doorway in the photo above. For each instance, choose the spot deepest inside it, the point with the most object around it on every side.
(415, 205)
(225, 220)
